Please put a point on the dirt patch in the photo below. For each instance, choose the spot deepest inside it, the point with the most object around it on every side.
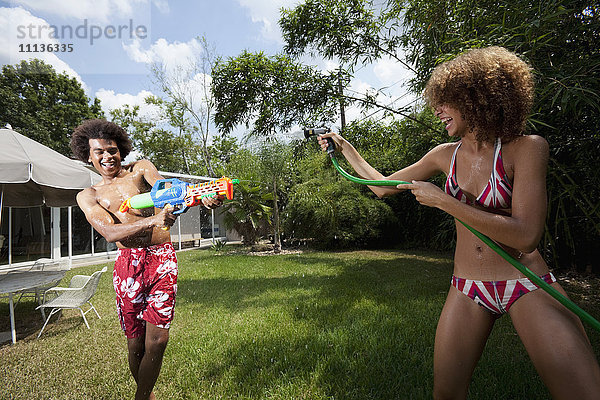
(581, 287)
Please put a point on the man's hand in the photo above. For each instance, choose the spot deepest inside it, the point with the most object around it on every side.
(165, 217)
(213, 202)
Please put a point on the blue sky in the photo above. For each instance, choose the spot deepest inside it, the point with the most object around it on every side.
(114, 41)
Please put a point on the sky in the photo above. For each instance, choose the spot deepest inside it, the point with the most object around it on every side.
(109, 45)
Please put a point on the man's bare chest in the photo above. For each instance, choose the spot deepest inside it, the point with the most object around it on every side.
(112, 195)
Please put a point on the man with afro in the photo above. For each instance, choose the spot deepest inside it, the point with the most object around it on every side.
(145, 273)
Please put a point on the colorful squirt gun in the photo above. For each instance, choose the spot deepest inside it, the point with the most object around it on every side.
(181, 195)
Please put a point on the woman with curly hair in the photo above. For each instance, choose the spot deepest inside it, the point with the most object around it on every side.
(496, 183)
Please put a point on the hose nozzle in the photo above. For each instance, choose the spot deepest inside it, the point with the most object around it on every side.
(320, 131)
(315, 132)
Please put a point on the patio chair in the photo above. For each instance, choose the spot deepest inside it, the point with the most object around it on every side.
(43, 264)
(80, 291)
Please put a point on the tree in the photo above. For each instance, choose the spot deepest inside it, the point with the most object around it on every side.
(189, 102)
(43, 105)
(334, 212)
(348, 31)
(167, 151)
(223, 148)
(276, 165)
(559, 38)
(247, 213)
(271, 93)
(182, 142)
(352, 32)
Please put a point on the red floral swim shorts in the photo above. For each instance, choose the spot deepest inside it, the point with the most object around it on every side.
(145, 280)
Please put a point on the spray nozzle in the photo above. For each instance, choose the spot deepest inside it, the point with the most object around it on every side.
(315, 131)
(320, 131)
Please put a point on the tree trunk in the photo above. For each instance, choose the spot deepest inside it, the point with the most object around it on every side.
(277, 239)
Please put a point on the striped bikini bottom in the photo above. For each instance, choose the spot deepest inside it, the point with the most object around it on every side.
(497, 296)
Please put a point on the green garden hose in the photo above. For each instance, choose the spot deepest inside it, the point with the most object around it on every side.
(493, 245)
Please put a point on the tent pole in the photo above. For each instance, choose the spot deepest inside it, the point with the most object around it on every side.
(1, 205)
(70, 230)
(9, 235)
(212, 224)
(179, 231)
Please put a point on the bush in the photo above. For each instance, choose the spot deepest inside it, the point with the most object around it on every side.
(338, 214)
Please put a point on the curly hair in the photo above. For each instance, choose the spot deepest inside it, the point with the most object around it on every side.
(491, 87)
(98, 129)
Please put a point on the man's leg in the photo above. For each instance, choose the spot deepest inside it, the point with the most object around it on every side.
(150, 363)
(135, 348)
(161, 272)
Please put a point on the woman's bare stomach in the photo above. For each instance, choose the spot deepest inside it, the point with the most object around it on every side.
(473, 259)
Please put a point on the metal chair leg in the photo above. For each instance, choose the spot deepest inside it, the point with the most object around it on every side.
(94, 308)
(54, 311)
(84, 319)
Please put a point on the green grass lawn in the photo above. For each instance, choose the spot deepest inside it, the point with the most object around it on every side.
(351, 325)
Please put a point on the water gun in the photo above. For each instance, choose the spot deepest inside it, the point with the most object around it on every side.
(181, 195)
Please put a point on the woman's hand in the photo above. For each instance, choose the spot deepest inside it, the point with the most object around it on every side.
(425, 193)
(337, 139)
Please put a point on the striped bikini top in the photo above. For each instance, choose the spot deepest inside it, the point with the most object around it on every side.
(498, 192)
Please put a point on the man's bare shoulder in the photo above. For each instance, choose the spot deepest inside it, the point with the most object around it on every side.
(86, 196)
(139, 165)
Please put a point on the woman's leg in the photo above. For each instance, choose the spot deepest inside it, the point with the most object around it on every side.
(461, 335)
(558, 346)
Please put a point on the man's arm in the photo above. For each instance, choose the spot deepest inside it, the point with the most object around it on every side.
(151, 175)
(149, 171)
(104, 223)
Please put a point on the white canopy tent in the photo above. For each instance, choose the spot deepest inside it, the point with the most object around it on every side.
(32, 174)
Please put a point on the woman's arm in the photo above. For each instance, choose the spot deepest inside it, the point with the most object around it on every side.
(428, 166)
(523, 229)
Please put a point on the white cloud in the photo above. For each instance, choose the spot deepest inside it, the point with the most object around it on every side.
(171, 55)
(392, 74)
(267, 13)
(180, 62)
(111, 100)
(11, 42)
(96, 10)
(331, 66)
(162, 6)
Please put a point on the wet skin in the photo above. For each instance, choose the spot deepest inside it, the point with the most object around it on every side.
(552, 335)
(474, 163)
(100, 203)
(133, 229)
